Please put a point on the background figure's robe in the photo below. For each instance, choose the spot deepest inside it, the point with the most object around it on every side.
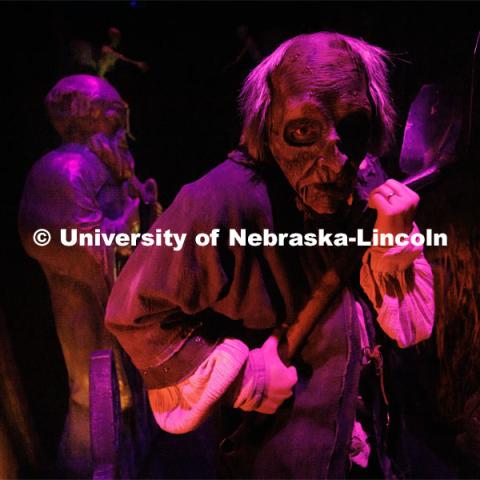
(71, 188)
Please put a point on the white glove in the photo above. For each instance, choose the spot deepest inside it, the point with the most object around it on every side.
(267, 381)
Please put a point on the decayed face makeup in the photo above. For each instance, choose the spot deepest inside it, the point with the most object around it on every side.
(320, 124)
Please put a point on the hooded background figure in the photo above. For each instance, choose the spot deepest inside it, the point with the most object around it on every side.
(83, 184)
(198, 323)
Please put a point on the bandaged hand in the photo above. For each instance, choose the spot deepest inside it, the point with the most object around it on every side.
(267, 382)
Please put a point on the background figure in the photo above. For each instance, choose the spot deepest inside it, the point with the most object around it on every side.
(109, 55)
(85, 57)
(86, 184)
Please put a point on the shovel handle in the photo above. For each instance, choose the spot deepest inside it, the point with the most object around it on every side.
(422, 179)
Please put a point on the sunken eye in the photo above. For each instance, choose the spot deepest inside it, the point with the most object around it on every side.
(302, 133)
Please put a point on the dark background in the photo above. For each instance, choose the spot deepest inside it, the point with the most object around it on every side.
(184, 111)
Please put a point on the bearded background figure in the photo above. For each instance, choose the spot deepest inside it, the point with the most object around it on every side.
(312, 111)
(86, 183)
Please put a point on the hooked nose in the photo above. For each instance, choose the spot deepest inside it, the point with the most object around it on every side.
(334, 157)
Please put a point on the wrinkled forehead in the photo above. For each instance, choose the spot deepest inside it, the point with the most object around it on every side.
(319, 66)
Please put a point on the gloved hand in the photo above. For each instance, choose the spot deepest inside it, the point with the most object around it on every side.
(279, 379)
(267, 381)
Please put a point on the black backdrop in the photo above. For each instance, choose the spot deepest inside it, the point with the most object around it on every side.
(184, 111)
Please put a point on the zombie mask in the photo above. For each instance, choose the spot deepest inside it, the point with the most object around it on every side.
(320, 123)
(316, 107)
